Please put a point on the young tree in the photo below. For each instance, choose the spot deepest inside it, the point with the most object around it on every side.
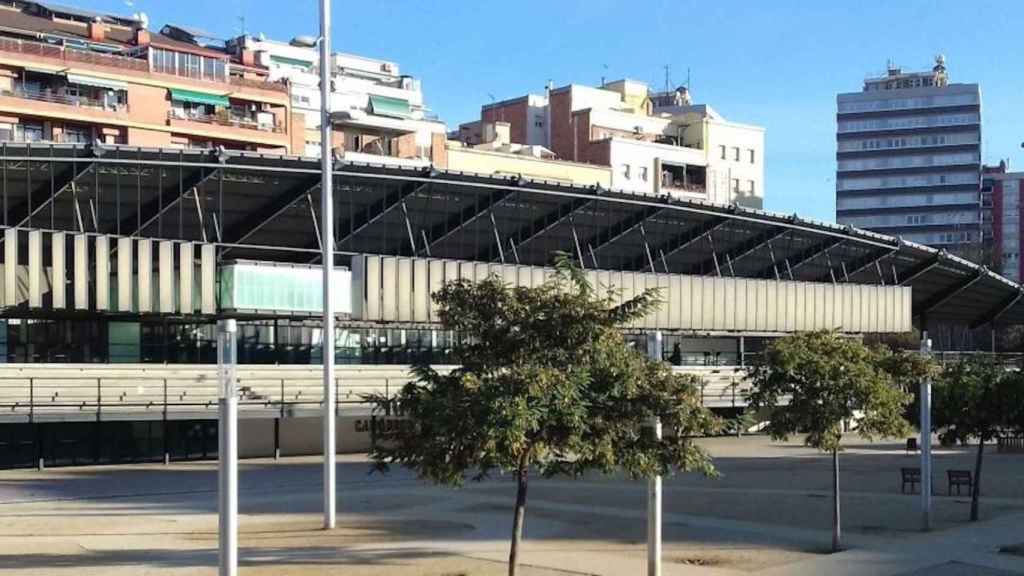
(974, 399)
(814, 383)
(546, 382)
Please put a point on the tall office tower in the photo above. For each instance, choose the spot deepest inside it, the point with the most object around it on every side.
(908, 151)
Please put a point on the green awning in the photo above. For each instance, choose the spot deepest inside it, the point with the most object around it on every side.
(393, 107)
(291, 61)
(199, 97)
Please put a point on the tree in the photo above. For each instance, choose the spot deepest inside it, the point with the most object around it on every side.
(974, 398)
(546, 382)
(815, 383)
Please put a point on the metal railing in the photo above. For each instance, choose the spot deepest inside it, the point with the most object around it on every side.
(134, 64)
(56, 98)
(72, 55)
(28, 397)
(220, 120)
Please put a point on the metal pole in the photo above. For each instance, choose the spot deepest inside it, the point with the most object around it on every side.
(654, 350)
(327, 228)
(227, 450)
(926, 440)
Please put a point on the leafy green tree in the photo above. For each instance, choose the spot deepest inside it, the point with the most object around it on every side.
(976, 399)
(545, 382)
(815, 383)
(907, 370)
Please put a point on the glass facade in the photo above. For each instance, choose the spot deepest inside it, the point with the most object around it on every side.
(273, 342)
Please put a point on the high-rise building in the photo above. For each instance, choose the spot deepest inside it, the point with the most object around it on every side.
(909, 158)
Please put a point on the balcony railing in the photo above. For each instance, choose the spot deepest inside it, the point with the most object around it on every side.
(688, 188)
(55, 98)
(134, 64)
(72, 54)
(219, 120)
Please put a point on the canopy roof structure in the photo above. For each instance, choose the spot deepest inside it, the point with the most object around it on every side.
(265, 207)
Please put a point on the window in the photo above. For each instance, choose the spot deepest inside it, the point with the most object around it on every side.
(721, 150)
(751, 154)
(750, 187)
(643, 173)
(736, 153)
(77, 134)
(32, 132)
(736, 185)
(625, 171)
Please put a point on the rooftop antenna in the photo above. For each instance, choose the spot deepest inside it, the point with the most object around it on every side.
(241, 23)
(604, 68)
(688, 80)
(668, 78)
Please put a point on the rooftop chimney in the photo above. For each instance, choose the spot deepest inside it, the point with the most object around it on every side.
(97, 31)
(141, 37)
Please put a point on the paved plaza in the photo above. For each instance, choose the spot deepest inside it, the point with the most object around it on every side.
(769, 512)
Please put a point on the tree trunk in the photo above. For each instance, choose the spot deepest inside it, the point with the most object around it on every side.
(517, 522)
(976, 486)
(836, 530)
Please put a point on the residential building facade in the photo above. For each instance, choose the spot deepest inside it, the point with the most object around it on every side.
(72, 76)
(909, 158)
(1005, 188)
(377, 113)
(654, 143)
(495, 153)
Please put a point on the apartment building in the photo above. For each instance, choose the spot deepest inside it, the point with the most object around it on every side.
(654, 143)
(1001, 190)
(74, 76)
(495, 153)
(377, 113)
(909, 158)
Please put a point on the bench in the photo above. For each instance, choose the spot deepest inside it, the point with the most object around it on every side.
(912, 445)
(911, 476)
(958, 479)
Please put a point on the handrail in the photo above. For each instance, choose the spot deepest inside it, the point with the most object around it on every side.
(68, 54)
(222, 121)
(54, 98)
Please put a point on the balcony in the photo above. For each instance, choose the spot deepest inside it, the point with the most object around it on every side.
(52, 97)
(684, 188)
(39, 50)
(225, 120)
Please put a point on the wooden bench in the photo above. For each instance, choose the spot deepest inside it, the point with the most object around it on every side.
(911, 476)
(958, 479)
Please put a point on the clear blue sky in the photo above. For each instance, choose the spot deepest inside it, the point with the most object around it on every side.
(778, 64)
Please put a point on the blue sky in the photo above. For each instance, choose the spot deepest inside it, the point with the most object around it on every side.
(778, 64)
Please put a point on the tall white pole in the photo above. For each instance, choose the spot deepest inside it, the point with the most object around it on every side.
(327, 240)
(654, 350)
(227, 449)
(926, 440)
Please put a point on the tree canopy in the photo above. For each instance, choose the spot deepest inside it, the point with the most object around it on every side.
(545, 381)
(814, 382)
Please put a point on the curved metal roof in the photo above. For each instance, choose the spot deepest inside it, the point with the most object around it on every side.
(262, 206)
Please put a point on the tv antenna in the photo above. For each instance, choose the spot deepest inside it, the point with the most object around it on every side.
(668, 78)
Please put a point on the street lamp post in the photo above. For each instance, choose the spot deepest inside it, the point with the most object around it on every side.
(926, 438)
(327, 242)
(654, 351)
(227, 449)
(327, 257)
